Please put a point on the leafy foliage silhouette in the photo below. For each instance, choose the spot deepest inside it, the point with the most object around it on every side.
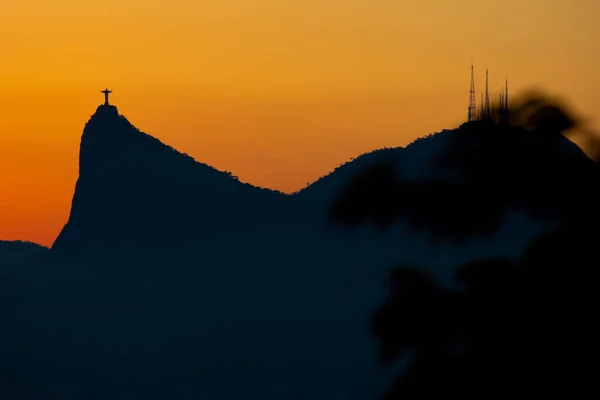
(508, 326)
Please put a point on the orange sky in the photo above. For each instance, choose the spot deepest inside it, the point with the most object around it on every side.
(230, 81)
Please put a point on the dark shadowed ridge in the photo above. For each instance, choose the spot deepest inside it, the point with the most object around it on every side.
(272, 293)
(137, 196)
(17, 251)
(132, 188)
(484, 171)
(414, 160)
(330, 184)
(509, 326)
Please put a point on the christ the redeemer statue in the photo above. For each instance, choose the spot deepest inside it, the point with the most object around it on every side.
(106, 92)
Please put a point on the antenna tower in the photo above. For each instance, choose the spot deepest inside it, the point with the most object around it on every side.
(487, 97)
(481, 110)
(506, 96)
(472, 115)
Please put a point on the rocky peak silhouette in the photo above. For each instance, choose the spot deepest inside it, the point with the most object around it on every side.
(269, 291)
(16, 252)
(132, 187)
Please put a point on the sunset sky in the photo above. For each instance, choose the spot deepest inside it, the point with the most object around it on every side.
(279, 92)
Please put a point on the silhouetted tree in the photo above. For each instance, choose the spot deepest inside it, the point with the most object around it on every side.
(509, 328)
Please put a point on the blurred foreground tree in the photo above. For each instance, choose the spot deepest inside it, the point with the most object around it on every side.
(521, 327)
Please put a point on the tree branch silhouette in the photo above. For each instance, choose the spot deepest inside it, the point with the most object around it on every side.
(514, 327)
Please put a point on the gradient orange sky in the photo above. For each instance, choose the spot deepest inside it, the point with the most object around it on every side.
(279, 92)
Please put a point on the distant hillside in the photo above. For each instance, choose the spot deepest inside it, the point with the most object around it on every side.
(481, 172)
(134, 191)
(168, 269)
(133, 188)
(15, 252)
(414, 161)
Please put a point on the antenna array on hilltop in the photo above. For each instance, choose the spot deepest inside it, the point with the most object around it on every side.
(484, 112)
(472, 102)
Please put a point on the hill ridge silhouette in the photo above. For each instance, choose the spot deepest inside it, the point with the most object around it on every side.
(131, 186)
(163, 272)
(15, 252)
(490, 332)
(101, 127)
(122, 167)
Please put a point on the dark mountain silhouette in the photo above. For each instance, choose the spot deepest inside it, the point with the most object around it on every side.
(172, 272)
(504, 326)
(133, 189)
(17, 252)
(496, 169)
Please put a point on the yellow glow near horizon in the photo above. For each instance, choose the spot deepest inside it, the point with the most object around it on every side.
(279, 92)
